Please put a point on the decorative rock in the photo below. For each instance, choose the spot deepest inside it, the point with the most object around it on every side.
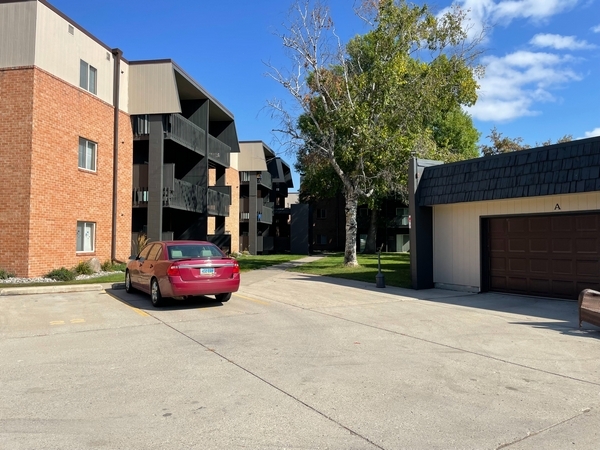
(95, 265)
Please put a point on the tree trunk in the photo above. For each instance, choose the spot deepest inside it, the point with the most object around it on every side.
(351, 228)
(371, 244)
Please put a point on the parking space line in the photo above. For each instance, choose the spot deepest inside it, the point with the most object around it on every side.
(57, 322)
(77, 320)
(139, 311)
(250, 298)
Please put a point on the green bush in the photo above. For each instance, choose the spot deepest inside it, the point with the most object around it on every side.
(5, 274)
(83, 268)
(109, 266)
(62, 274)
(120, 267)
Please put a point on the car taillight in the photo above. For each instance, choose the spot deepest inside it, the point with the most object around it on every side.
(173, 270)
(236, 267)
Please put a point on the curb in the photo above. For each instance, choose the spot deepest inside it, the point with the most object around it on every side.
(59, 289)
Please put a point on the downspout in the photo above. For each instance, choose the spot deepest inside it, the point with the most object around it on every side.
(117, 54)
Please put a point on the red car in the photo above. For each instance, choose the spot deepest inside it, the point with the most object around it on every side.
(182, 269)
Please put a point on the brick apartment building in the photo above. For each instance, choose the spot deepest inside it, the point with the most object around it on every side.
(94, 147)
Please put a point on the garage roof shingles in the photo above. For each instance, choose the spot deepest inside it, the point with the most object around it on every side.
(568, 168)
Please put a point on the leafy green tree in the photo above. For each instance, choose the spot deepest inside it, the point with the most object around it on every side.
(501, 144)
(362, 109)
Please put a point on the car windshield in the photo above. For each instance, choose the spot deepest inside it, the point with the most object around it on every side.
(194, 251)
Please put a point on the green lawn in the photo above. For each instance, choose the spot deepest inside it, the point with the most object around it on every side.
(250, 262)
(394, 266)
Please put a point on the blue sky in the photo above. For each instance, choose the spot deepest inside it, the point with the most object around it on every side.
(542, 57)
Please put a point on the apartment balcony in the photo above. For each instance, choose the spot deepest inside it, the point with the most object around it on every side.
(184, 196)
(187, 134)
(218, 152)
(264, 211)
(263, 178)
(266, 215)
(177, 194)
(217, 201)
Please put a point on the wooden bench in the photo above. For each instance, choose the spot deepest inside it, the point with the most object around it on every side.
(589, 307)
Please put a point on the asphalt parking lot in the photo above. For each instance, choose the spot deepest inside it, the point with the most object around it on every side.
(297, 362)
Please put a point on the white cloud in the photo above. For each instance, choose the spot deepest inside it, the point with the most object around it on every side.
(594, 132)
(559, 42)
(514, 83)
(490, 12)
(596, 29)
(531, 9)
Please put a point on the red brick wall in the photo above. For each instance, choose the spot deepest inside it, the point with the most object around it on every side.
(62, 194)
(16, 110)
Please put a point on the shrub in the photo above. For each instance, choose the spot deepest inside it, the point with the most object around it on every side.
(83, 268)
(5, 274)
(119, 267)
(62, 274)
(110, 266)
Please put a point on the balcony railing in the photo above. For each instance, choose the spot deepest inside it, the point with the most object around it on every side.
(177, 194)
(266, 215)
(218, 151)
(224, 190)
(177, 128)
(184, 132)
(184, 195)
(265, 179)
(217, 203)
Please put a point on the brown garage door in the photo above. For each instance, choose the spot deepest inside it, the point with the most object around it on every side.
(554, 256)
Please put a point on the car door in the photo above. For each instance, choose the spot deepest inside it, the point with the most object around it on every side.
(134, 269)
(148, 266)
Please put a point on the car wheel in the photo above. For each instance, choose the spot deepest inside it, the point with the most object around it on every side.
(128, 287)
(155, 296)
(223, 297)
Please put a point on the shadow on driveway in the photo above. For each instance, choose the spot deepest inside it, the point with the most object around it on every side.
(142, 301)
(562, 314)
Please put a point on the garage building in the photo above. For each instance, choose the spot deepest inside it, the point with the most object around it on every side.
(526, 222)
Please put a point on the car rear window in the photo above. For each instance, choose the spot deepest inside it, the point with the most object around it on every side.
(194, 251)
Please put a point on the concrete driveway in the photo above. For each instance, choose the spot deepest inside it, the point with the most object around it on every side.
(296, 361)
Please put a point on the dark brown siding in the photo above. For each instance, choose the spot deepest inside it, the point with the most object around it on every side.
(554, 256)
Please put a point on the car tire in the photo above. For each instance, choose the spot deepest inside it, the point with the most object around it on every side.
(128, 287)
(155, 295)
(223, 297)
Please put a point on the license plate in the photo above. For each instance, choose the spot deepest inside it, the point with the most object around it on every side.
(207, 271)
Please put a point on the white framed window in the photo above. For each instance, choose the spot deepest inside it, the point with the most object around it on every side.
(321, 213)
(88, 77)
(87, 154)
(86, 236)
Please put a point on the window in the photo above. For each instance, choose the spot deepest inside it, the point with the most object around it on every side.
(321, 239)
(144, 253)
(88, 77)
(321, 213)
(363, 212)
(154, 254)
(403, 214)
(87, 154)
(86, 232)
